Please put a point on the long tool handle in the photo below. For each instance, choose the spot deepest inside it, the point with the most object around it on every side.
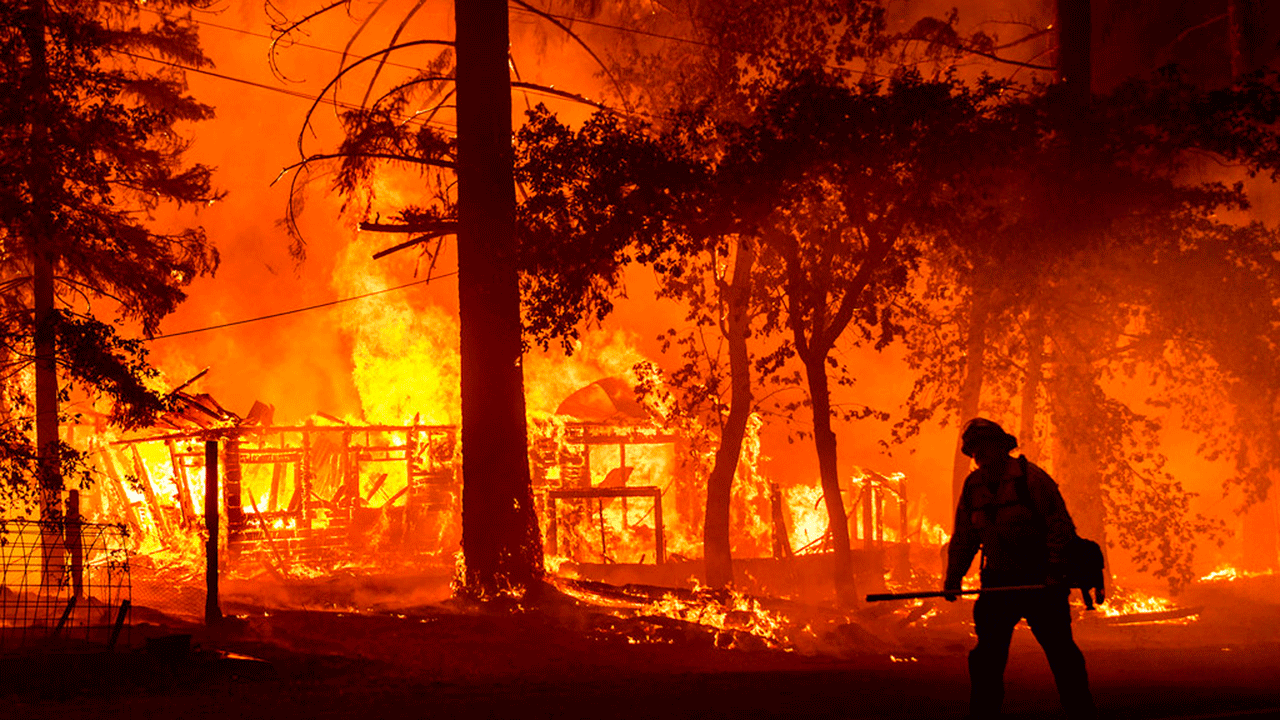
(943, 593)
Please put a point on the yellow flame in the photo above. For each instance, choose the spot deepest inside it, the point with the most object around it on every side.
(808, 514)
(1124, 602)
(1227, 573)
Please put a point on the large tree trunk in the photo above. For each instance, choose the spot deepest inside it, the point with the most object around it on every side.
(1031, 389)
(43, 261)
(824, 440)
(47, 447)
(500, 538)
(1075, 459)
(1244, 20)
(1259, 531)
(715, 542)
(1075, 467)
(1075, 58)
(1077, 472)
(970, 388)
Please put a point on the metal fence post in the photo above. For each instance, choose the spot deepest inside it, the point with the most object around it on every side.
(211, 611)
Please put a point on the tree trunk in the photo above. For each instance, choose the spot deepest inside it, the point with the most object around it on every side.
(824, 440)
(1077, 473)
(1031, 390)
(46, 396)
(1075, 462)
(971, 388)
(1244, 20)
(1075, 58)
(1075, 467)
(500, 537)
(1259, 530)
(715, 543)
(43, 260)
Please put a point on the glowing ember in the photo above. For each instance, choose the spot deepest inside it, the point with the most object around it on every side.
(738, 613)
(735, 620)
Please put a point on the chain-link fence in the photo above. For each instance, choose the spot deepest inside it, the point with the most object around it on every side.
(62, 580)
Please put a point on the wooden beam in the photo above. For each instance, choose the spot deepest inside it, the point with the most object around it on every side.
(184, 490)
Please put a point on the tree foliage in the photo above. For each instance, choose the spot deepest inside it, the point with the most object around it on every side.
(89, 131)
(1108, 258)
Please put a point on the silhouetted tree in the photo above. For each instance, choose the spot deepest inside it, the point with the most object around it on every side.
(501, 547)
(1104, 223)
(739, 54)
(88, 137)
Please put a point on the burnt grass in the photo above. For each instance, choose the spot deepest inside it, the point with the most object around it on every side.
(570, 661)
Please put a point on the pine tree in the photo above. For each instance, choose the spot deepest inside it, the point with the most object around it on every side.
(90, 103)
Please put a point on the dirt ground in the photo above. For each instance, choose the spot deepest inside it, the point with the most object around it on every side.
(567, 661)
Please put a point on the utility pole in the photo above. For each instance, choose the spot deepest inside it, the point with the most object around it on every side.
(212, 612)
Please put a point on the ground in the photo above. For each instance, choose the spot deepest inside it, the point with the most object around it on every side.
(567, 660)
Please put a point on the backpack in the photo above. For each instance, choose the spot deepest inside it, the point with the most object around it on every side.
(1083, 557)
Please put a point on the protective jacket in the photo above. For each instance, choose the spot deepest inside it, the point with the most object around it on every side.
(1022, 534)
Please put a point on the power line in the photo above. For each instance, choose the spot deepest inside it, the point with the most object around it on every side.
(703, 43)
(619, 28)
(658, 36)
(338, 103)
(251, 33)
(349, 106)
(272, 88)
(295, 311)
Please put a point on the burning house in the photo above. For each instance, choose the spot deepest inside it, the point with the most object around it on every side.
(620, 498)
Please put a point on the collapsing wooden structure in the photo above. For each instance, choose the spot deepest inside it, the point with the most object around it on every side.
(299, 494)
(595, 501)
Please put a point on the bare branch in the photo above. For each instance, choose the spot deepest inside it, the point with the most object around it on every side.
(442, 227)
(306, 120)
(395, 37)
(284, 33)
(560, 93)
(415, 241)
(565, 29)
(376, 156)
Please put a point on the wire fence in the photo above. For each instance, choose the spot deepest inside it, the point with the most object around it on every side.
(62, 581)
